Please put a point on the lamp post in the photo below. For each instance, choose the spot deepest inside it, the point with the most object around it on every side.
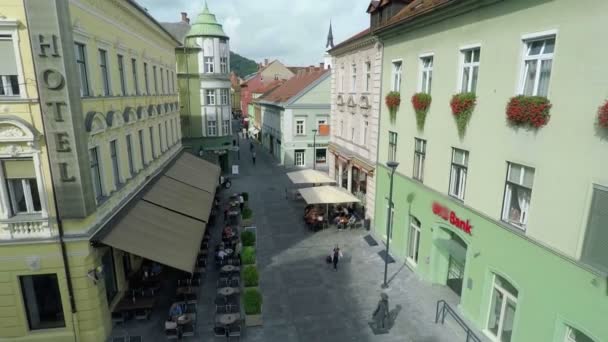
(314, 149)
(389, 222)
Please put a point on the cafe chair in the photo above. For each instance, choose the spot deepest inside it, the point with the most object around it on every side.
(222, 282)
(188, 329)
(234, 282)
(171, 334)
(142, 314)
(234, 330)
(222, 309)
(220, 331)
(119, 318)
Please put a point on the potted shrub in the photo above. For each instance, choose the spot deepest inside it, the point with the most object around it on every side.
(248, 238)
(250, 276)
(252, 299)
(393, 100)
(247, 215)
(248, 256)
(462, 106)
(528, 111)
(602, 116)
(421, 103)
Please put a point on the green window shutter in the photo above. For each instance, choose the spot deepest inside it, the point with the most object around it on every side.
(595, 250)
(16, 169)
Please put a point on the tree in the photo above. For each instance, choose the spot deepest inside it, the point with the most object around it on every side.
(242, 66)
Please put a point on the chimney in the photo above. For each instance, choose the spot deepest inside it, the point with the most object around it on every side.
(265, 61)
(322, 65)
(184, 17)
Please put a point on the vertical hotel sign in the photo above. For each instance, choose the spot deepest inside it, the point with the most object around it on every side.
(50, 31)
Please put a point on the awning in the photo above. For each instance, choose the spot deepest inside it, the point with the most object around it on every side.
(195, 172)
(181, 197)
(327, 195)
(310, 177)
(158, 234)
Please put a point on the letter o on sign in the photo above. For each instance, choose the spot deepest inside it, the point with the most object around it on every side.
(53, 79)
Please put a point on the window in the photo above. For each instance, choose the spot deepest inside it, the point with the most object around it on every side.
(173, 137)
(503, 305)
(208, 64)
(299, 158)
(210, 97)
(81, 61)
(42, 301)
(470, 70)
(130, 154)
(168, 83)
(155, 79)
(9, 75)
(135, 79)
(211, 128)
(594, 252)
(392, 146)
(161, 141)
(146, 81)
(167, 141)
(162, 81)
(173, 80)
(397, 68)
(342, 78)
(458, 174)
(414, 240)
(226, 127)
(96, 173)
(24, 196)
(426, 74)
(103, 68)
(320, 122)
(121, 74)
(141, 147)
(419, 156)
(299, 127)
(109, 275)
(368, 76)
(518, 191)
(573, 335)
(224, 96)
(353, 80)
(321, 155)
(365, 128)
(224, 65)
(152, 147)
(538, 59)
(115, 165)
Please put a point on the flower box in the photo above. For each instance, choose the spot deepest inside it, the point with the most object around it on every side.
(252, 302)
(528, 111)
(421, 103)
(393, 100)
(602, 116)
(462, 106)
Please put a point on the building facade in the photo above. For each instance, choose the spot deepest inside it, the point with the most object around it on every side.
(295, 119)
(485, 211)
(204, 83)
(90, 112)
(355, 96)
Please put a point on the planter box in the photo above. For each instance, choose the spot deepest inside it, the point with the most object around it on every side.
(246, 222)
(254, 320)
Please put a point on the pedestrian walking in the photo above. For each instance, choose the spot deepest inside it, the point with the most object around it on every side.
(336, 258)
(253, 157)
(241, 201)
(226, 214)
(251, 146)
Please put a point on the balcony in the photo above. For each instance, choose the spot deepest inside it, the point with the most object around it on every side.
(20, 228)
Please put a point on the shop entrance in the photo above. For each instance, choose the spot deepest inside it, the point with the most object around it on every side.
(451, 259)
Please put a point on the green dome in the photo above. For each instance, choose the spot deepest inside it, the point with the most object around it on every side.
(206, 25)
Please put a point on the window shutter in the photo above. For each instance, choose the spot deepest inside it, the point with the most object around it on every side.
(7, 56)
(16, 169)
(595, 250)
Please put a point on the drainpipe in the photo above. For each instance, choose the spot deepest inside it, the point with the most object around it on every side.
(188, 87)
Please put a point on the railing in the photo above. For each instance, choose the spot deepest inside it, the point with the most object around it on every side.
(30, 229)
(444, 308)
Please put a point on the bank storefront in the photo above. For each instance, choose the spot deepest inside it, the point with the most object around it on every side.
(509, 286)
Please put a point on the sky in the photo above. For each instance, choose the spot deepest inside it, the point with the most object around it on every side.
(293, 31)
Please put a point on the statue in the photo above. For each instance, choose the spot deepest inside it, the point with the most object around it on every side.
(380, 317)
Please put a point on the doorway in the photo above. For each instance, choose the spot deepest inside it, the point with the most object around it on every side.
(456, 264)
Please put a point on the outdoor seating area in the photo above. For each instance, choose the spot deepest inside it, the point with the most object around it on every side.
(316, 217)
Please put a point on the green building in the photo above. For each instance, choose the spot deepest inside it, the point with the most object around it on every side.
(203, 67)
(511, 214)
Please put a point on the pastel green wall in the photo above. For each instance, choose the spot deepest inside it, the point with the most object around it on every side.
(319, 94)
(189, 93)
(552, 290)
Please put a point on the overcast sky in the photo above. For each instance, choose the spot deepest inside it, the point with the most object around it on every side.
(293, 31)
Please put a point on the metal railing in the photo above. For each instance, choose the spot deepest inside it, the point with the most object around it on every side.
(444, 308)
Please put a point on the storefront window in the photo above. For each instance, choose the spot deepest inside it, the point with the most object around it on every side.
(363, 182)
(321, 156)
(109, 275)
(414, 240)
(42, 301)
(354, 184)
(502, 309)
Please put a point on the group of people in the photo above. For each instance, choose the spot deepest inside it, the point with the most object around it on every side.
(314, 217)
(343, 217)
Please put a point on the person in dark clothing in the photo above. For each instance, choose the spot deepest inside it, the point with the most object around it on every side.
(251, 146)
(253, 157)
(336, 258)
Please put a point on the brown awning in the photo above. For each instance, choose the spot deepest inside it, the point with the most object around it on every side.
(158, 234)
(180, 197)
(196, 172)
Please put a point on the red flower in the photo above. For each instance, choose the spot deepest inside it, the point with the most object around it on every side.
(528, 111)
(602, 116)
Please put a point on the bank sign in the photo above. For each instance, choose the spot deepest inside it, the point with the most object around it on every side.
(450, 216)
(50, 30)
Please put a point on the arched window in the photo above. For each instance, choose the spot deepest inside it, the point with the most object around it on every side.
(413, 240)
(503, 305)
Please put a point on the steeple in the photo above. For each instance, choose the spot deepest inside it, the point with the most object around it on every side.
(330, 38)
(206, 25)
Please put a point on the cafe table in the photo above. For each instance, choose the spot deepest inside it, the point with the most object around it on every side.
(228, 319)
(226, 291)
(228, 268)
(187, 290)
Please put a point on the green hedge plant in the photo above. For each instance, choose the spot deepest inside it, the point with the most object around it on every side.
(248, 238)
(248, 256)
(252, 299)
(247, 213)
(250, 276)
(245, 196)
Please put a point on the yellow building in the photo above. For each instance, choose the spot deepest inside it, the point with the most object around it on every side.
(89, 116)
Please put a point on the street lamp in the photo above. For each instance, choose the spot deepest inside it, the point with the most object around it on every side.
(389, 222)
(314, 148)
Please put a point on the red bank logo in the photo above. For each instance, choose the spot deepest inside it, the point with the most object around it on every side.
(448, 215)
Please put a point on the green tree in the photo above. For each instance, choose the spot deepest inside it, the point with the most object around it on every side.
(242, 66)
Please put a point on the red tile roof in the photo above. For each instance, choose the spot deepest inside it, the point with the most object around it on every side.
(415, 9)
(294, 85)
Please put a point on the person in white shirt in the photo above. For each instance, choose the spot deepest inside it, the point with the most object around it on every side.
(241, 201)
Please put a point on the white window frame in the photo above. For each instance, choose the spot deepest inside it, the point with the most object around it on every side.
(115, 163)
(161, 140)
(471, 65)
(224, 65)
(426, 73)
(146, 79)
(300, 127)
(226, 127)
(211, 128)
(463, 167)
(526, 40)
(10, 27)
(120, 61)
(155, 76)
(209, 64)
(396, 74)
(506, 297)
(368, 76)
(142, 148)
(506, 205)
(224, 96)
(299, 157)
(210, 97)
(353, 78)
(420, 155)
(27, 193)
(87, 81)
(162, 81)
(414, 231)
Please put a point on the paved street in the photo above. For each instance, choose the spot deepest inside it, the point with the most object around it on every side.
(304, 299)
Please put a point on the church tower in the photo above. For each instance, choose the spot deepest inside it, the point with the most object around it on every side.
(328, 46)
